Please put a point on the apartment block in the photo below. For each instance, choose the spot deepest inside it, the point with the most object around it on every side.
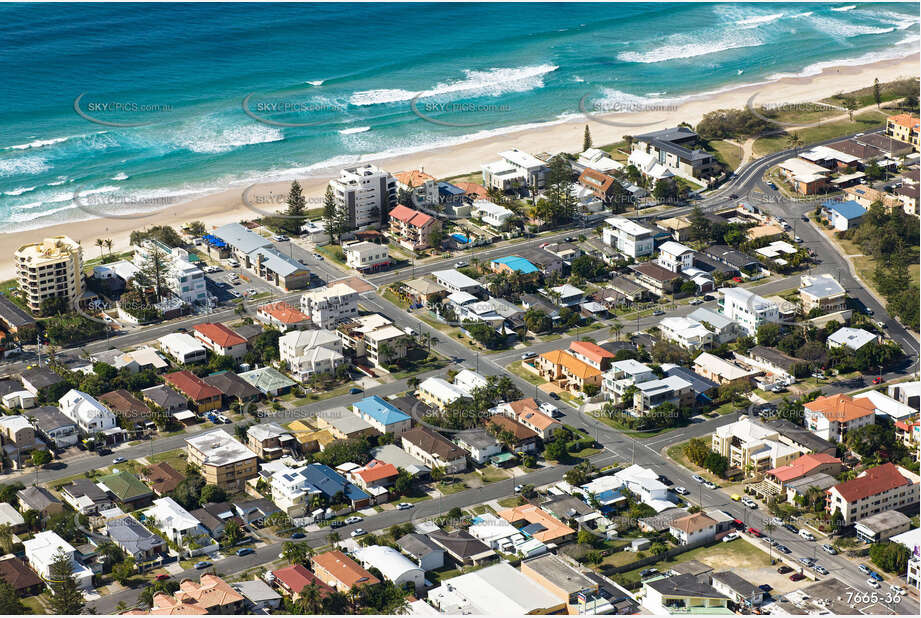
(222, 460)
(52, 268)
(364, 193)
(329, 305)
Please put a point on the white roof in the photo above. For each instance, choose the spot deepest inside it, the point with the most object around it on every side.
(745, 297)
(491, 529)
(469, 379)
(493, 209)
(83, 408)
(854, 338)
(309, 339)
(142, 356)
(674, 248)
(392, 564)
(671, 383)
(630, 366)
(337, 290)
(801, 167)
(599, 160)
(628, 226)
(722, 367)
(497, 590)
(384, 333)
(443, 390)
(16, 423)
(910, 539)
(421, 608)
(219, 448)
(10, 516)
(181, 343)
(648, 164)
(746, 430)
(885, 404)
(44, 545)
(169, 515)
(819, 153)
(684, 327)
(455, 279)
(714, 319)
(566, 290)
(520, 158)
(461, 298)
(362, 248)
(822, 286)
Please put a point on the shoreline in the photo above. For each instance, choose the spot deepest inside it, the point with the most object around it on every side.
(227, 205)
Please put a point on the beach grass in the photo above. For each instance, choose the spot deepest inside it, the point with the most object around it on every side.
(863, 122)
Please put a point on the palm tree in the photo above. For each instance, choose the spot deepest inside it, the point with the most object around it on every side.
(616, 328)
(333, 538)
(99, 243)
(108, 243)
(794, 141)
(311, 598)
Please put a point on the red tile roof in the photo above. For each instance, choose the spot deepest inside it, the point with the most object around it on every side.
(592, 351)
(409, 216)
(376, 470)
(219, 334)
(802, 466)
(874, 481)
(191, 385)
(297, 577)
(284, 313)
(841, 408)
(345, 570)
(413, 178)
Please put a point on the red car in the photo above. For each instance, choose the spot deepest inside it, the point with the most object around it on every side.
(796, 577)
(755, 532)
(877, 380)
(163, 576)
(737, 279)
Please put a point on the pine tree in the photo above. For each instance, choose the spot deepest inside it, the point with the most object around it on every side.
(877, 95)
(9, 601)
(330, 214)
(587, 140)
(153, 271)
(296, 202)
(66, 598)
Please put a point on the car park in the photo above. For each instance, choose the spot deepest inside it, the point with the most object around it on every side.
(354, 519)
(829, 549)
(245, 551)
(357, 532)
(202, 564)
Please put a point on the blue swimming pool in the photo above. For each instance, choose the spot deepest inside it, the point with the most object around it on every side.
(460, 238)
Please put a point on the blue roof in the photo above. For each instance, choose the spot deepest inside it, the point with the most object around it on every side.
(518, 264)
(848, 210)
(447, 187)
(329, 482)
(380, 410)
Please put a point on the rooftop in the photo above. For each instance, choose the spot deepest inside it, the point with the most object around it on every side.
(872, 482)
(379, 410)
(219, 448)
(841, 408)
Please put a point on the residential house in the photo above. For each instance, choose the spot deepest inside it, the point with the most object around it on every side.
(375, 475)
(660, 281)
(127, 406)
(129, 492)
(90, 416)
(462, 547)
(513, 264)
(374, 339)
(752, 447)
(734, 262)
(261, 596)
(282, 316)
(597, 160)
(186, 349)
(293, 579)
(40, 380)
(622, 375)
(329, 305)
(23, 580)
(293, 488)
(722, 371)
(888, 406)
(628, 237)
(724, 329)
(344, 425)
(392, 565)
(653, 393)
(211, 596)
(215, 516)
(479, 444)
(669, 152)
(591, 354)
(602, 186)
(686, 332)
(515, 169)
(366, 257)
(55, 428)
(883, 488)
(499, 589)
(904, 128)
(162, 478)
(233, 388)
(221, 340)
(259, 256)
(691, 529)
(683, 594)
(434, 450)
(567, 370)
(853, 338)
(908, 393)
(439, 393)
(43, 549)
(422, 186)
(412, 228)
(739, 590)
(455, 281)
(427, 554)
(771, 361)
(538, 523)
(831, 417)
(675, 257)
(202, 396)
(17, 435)
(807, 178)
(364, 193)
(381, 415)
(571, 586)
(521, 438)
(339, 571)
(424, 292)
(269, 380)
(527, 412)
(175, 522)
(222, 460)
(269, 440)
(843, 215)
(747, 309)
(40, 500)
(309, 352)
(165, 399)
(134, 539)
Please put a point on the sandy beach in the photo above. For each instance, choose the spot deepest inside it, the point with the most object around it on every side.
(226, 206)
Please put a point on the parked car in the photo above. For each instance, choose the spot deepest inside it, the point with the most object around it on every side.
(765, 587)
(697, 478)
(829, 549)
(681, 490)
(658, 312)
(806, 535)
(777, 521)
(665, 480)
(876, 576)
(872, 583)
(119, 460)
(877, 380)
(354, 391)
(897, 589)
(749, 503)
(648, 572)
(528, 355)
(791, 528)
(298, 535)
(783, 549)
(202, 564)
(460, 264)
(404, 505)
(357, 532)
(709, 485)
(864, 569)
(807, 561)
(162, 577)
(696, 301)
(797, 577)
(354, 519)
(550, 410)
(818, 568)
(784, 570)
(518, 488)
(245, 551)
(755, 532)
(336, 523)
(553, 395)
(732, 536)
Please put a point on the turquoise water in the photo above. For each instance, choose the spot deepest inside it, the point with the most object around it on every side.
(335, 83)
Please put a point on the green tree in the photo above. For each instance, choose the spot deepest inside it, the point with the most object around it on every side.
(41, 458)
(890, 557)
(233, 533)
(586, 139)
(10, 604)
(556, 451)
(212, 493)
(66, 597)
(296, 202)
(154, 270)
(123, 571)
(768, 334)
(585, 537)
(877, 95)
(331, 215)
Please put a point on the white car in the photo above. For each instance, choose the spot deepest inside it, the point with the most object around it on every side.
(730, 537)
(872, 583)
(353, 520)
(404, 505)
(806, 535)
(897, 589)
(357, 532)
(681, 490)
(549, 409)
(749, 503)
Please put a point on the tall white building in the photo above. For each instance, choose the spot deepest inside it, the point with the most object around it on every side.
(328, 305)
(747, 308)
(628, 237)
(52, 268)
(364, 193)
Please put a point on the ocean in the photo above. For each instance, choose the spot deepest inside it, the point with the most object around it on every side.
(165, 102)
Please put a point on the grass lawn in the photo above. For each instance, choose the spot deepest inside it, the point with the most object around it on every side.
(389, 295)
(721, 556)
(633, 433)
(676, 454)
(491, 474)
(509, 502)
(452, 488)
(524, 374)
(175, 458)
(38, 604)
(864, 122)
(432, 362)
(331, 252)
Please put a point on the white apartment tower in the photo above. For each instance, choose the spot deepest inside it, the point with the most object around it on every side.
(364, 193)
(52, 268)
